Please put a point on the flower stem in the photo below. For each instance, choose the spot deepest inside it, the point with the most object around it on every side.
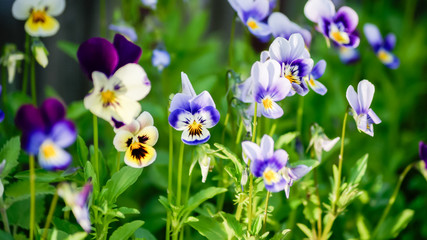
(178, 186)
(319, 218)
(251, 177)
(33, 81)
(50, 214)
(273, 129)
(4, 215)
(239, 132)
(33, 196)
(265, 211)
(170, 176)
(338, 184)
(26, 64)
(239, 211)
(95, 145)
(392, 198)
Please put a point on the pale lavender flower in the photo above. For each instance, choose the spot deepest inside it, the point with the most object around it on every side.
(150, 3)
(382, 47)
(160, 59)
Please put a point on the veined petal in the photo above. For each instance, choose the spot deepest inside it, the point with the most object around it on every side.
(281, 158)
(373, 116)
(317, 86)
(140, 155)
(348, 17)
(46, 28)
(180, 101)
(148, 135)
(63, 133)
(180, 119)
(304, 65)
(53, 110)
(267, 146)
(21, 9)
(187, 88)
(365, 92)
(318, 69)
(353, 99)
(260, 75)
(297, 46)
(122, 140)
(195, 136)
(128, 52)
(280, 89)
(260, 9)
(54, 7)
(207, 116)
(135, 81)
(52, 157)
(258, 166)
(373, 35)
(277, 186)
(316, 9)
(202, 100)
(280, 49)
(252, 151)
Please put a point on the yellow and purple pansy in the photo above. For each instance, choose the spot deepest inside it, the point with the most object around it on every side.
(382, 47)
(193, 114)
(39, 15)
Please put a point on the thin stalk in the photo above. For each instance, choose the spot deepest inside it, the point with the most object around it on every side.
(230, 47)
(239, 132)
(170, 176)
(251, 177)
(273, 129)
(50, 214)
(33, 81)
(319, 218)
(4, 216)
(328, 227)
(265, 211)
(33, 196)
(26, 64)
(338, 184)
(178, 186)
(239, 211)
(221, 197)
(392, 198)
(95, 145)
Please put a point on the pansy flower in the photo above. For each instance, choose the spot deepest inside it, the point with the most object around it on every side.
(348, 55)
(338, 26)
(294, 59)
(193, 114)
(125, 30)
(315, 74)
(253, 13)
(281, 26)
(119, 83)
(270, 87)
(360, 103)
(39, 15)
(320, 142)
(423, 152)
(77, 201)
(45, 132)
(137, 140)
(272, 165)
(160, 59)
(382, 47)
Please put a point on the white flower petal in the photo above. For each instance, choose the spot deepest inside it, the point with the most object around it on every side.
(55, 7)
(148, 135)
(315, 9)
(187, 88)
(122, 140)
(145, 119)
(21, 8)
(134, 79)
(365, 92)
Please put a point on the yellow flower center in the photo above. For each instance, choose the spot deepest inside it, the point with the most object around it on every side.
(108, 97)
(38, 16)
(195, 129)
(340, 37)
(252, 24)
(292, 78)
(48, 150)
(270, 176)
(268, 104)
(384, 56)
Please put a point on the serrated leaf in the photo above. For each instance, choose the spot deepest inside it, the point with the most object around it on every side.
(120, 182)
(126, 231)
(10, 152)
(359, 170)
(209, 228)
(305, 230)
(69, 48)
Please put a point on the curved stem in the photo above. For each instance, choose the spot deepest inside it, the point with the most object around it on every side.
(4, 215)
(95, 145)
(239, 132)
(265, 211)
(392, 198)
(50, 214)
(299, 114)
(33, 196)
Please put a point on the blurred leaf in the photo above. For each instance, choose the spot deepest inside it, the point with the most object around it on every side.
(362, 227)
(65, 226)
(232, 224)
(69, 48)
(358, 170)
(120, 182)
(126, 231)
(82, 151)
(257, 225)
(308, 163)
(77, 236)
(305, 230)
(5, 235)
(76, 110)
(21, 190)
(18, 212)
(285, 139)
(144, 234)
(41, 176)
(392, 226)
(209, 228)
(10, 152)
(126, 210)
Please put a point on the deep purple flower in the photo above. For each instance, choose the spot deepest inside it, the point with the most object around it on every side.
(77, 201)
(338, 26)
(98, 54)
(423, 153)
(281, 26)
(348, 55)
(272, 165)
(360, 103)
(253, 13)
(382, 47)
(193, 114)
(315, 74)
(45, 132)
(294, 60)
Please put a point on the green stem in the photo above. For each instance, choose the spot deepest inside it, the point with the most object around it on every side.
(265, 211)
(299, 115)
(33, 81)
(239, 211)
(239, 132)
(230, 47)
(33, 196)
(273, 129)
(328, 226)
(4, 216)
(178, 186)
(95, 145)
(26, 64)
(338, 184)
(319, 218)
(50, 214)
(251, 177)
(392, 198)
(170, 176)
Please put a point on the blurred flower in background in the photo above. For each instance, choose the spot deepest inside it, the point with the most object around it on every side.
(320, 142)
(150, 3)
(281, 26)
(382, 47)
(423, 152)
(348, 55)
(10, 59)
(40, 53)
(160, 59)
(1, 111)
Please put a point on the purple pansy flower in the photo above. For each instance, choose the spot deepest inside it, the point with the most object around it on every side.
(253, 14)
(338, 26)
(315, 74)
(281, 26)
(382, 47)
(423, 153)
(294, 60)
(77, 201)
(269, 87)
(360, 103)
(125, 30)
(193, 114)
(348, 55)
(271, 165)
(45, 132)
(119, 83)
(160, 59)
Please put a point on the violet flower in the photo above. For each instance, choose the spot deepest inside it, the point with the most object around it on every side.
(269, 87)
(423, 152)
(338, 26)
(360, 103)
(272, 165)
(160, 59)
(315, 74)
(77, 201)
(253, 13)
(281, 26)
(45, 132)
(294, 60)
(193, 114)
(119, 83)
(382, 47)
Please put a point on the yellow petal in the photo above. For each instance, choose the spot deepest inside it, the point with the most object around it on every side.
(140, 155)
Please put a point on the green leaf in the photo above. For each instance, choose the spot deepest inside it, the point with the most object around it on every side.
(394, 225)
(362, 227)
(10, 152)
(237, 163)
(18, 212)
(77, 236)
(309, 163)
(126, 210)
(90, 173)
(82, 151)
(232, 224)
(65, 226)
(41, 176)
(120, 181)
(209, 228)
(126, 231)
(359, 170)
(285, 139)
(69, 48)
(144, 234)
(305, 230)
(202, 196)
(5, 235)
(257, 225)
(21, 190)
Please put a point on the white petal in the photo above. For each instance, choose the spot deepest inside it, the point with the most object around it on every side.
(99, 81)
(352, 99)
(252, 150)
(267, 146)
(21, 8)
(265, 55)
(126, 109)
(122, 140)
(328, 144)
(374, 116)
(204, 167)
(52, 157)
(297, 45)
(187, 88)
(134, 79)
(365, 92)
(260, 74)
(55, 7)
(150, 133)
(280, 49)
(145, 119)
(132, 127)
(195, 139)
(315, 9)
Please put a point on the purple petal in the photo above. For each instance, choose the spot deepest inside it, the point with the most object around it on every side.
(53, 111)
(125, 30)
(1, 115)
(281, 158)
(373, 35)
(202, 100)
(354, 40)
(261, 31)
(180, 101)
(208, 116)
(317, 86)
(195, 139)
(127, 51)
(267, 146)
(299, 171)
(348, 17)
(31, 141)
(63, 133)
(353, 99)
(301, 88)
(252, 151)
(423, 152)
(390, 41)
(275, 187)
(394, 63)
(274, 112)
(97, 54)
(187, 88)
(81, 199)
(304, 66)
(29, 118)
(280, 89)
(260, 9)
(180, 119)
(318, 69)
(258, 166)
(280, 49)
(349, 55)
(323, 26)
